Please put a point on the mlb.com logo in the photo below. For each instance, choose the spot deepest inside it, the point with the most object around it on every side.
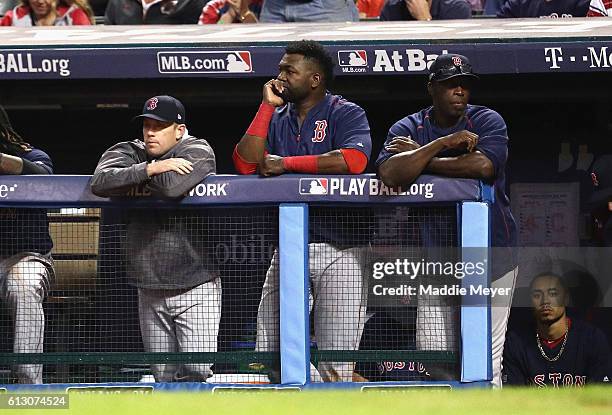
(314, 186)
(205, 62)
(355, 60)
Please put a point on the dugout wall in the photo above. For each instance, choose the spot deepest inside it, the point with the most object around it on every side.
(83, 347)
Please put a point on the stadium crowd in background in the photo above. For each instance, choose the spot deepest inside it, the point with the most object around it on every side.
(600, 8)
(283, 11)
(26, 265)
(369, 9)
(231, 11)
(426, 10)
(135, 12)
(544, 8)
(49, 13)
(179, 290)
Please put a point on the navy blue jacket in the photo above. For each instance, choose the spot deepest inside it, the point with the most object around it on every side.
(493, 143)
(27, 230)
(584, 359)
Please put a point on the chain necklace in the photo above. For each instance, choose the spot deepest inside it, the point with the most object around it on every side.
(553, 359)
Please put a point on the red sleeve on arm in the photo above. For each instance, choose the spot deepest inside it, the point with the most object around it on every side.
(261, 122)
(242, 166)
(301, 164)
(355, 160)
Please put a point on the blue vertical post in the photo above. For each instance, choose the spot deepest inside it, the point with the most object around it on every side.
(294, 322)
(475, 309)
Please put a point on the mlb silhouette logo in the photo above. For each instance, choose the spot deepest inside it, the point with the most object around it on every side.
(313, 186)
(239, 62)
(352, 58)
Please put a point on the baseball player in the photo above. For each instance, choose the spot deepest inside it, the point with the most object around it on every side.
(556, 351)
(455, 139)
(302, 128)
(179, 291)
(26, 267)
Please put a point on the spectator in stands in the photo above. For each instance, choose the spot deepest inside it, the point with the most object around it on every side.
(455, 139)
(426, 10)
(369, 9)
(492, 7)
(49, 13)
(26, 266)
(544, 8)
(600, 8)
(230, 11)
(302, 128)
(282, 11)
(564, 351)
(134, 12)
(179, 291)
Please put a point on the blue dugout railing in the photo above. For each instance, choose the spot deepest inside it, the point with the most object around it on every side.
(293, 194)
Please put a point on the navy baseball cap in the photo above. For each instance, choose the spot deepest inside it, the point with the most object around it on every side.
(601, 176)
(449, 66)
(163, 108)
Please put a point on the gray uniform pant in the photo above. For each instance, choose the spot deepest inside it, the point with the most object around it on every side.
(338, 305)
(23, 286)
(181, 321)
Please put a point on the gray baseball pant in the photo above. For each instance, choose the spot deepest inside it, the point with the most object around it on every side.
(181, 321)
(339, 300)
(23, 288)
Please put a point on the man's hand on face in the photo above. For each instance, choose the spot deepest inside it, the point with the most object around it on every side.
(271, 166)
(401, 144)
(178, 165)
(272, 91)
(461, 140)
(419, 9)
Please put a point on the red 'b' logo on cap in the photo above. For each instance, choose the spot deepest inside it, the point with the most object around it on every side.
(152, 104)
(457, 61)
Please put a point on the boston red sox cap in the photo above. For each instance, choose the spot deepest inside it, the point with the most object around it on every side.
(601, 176)
(449, 66)
(163, 108)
